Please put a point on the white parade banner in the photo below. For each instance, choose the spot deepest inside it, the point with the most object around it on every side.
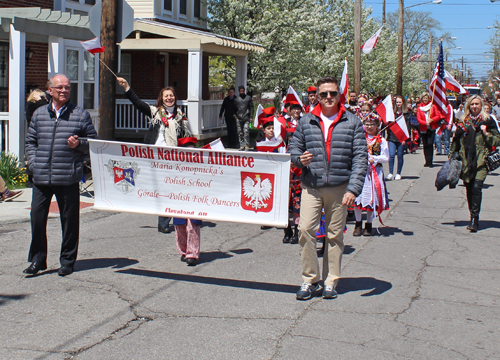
(195, 183)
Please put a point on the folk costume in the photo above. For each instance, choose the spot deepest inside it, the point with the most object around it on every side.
(374, 195)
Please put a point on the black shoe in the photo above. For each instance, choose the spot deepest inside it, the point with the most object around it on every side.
(474, 225)
(426, 165)
(430, 166)
(164, 230)
(329, 292)
(65, 270)
(368, 229)
(34, 268)
(183, 258)
(288, 234)
(265, 227)
(307, 291)
(295, 237)
(191, 261)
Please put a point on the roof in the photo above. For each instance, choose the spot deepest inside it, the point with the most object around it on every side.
(205, 37)
(46, 22)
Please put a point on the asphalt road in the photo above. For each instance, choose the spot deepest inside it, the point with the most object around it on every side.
(425, 288)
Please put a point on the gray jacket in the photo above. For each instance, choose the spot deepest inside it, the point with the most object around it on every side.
(244, 108)
(496, 111)
(50, 159)
(348, 153)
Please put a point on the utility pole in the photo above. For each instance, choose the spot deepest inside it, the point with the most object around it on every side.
(383, 12)
(107, 81)
(399, 76)
(357, 46)
(430, 58)
(462, 74)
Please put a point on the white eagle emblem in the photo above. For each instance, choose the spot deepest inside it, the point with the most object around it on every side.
(258, 191)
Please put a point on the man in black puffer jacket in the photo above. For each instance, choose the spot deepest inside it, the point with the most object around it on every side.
(329, 145)
(55, 158)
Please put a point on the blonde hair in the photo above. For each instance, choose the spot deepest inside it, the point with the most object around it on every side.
(483, 112)
(425, 94)
(32, 96)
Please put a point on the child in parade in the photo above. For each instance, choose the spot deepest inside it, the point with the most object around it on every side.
(295, 115)
(312, 97)
(374, 196)
(187, 231)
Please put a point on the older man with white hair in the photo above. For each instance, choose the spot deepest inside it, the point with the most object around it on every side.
(56, 144)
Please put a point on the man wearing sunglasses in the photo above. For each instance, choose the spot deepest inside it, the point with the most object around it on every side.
(330, 146)
(56, 144)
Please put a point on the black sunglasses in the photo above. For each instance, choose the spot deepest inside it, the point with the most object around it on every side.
(324, 94)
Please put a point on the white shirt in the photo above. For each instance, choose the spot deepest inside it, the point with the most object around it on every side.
(58, 112)
(327, 122)
(160, 140)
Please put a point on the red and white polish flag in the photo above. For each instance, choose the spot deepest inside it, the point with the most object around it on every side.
(370, 44)
(344, 83)
(399, 128)
(269, 145)
(215, 145)
(292, 97)
(385, 110)
(453, 85)
(93, 45)
(258, 115)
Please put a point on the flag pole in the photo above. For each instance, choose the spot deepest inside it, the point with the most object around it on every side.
(107, 67)
(434, 89)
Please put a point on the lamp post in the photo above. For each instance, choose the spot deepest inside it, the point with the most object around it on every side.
(399, 75)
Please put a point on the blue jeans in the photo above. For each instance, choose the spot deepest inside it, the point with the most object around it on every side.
(396, 148)
(443, 138)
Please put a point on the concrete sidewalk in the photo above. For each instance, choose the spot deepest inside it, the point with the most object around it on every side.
(425, 288)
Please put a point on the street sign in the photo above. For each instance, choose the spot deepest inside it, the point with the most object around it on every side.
(124, 21)
(424, 81)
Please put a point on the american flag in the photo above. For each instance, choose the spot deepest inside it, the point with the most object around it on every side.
(415, 57)
(438, 83)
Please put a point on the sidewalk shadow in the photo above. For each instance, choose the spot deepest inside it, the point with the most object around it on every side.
(101, 263)
(483, 224)
(375, 286)
(410, 177)
(348, 249)
(8, 298)
(389, 231)
(209, 280)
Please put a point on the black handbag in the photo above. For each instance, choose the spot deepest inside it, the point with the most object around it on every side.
(493, 160)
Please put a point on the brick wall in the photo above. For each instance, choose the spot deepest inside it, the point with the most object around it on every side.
(45, 4)
(148, 76)
(37, 67)
(178, 74)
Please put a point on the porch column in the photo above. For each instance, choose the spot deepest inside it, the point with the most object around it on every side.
(17, 80)
(195, 115)
(241, 71)
(56, 56)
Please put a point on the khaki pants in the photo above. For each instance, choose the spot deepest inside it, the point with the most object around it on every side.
(312, 201)
(2, 186)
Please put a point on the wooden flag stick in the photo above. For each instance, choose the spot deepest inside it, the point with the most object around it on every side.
(107, 67)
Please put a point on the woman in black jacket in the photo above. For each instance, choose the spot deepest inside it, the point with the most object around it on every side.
(167, 124)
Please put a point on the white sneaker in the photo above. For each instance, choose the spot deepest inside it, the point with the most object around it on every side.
(389, 177)
(397, 177)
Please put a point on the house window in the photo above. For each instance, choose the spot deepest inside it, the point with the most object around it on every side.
(183, 7)
(81, 72)
(125, 71)
(167, 5)
(4, 76)
(197, 9)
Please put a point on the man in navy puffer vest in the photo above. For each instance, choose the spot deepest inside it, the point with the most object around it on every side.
(56, 146)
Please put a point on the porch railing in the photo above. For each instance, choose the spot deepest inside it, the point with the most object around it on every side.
(210, 112)
(4, 131)
(127, 117)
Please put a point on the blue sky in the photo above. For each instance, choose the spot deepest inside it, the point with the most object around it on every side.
(466, 19)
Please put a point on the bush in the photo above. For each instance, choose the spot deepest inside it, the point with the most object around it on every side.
(11, 171)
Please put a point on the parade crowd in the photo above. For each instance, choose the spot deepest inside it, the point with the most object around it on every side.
(338, 144)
